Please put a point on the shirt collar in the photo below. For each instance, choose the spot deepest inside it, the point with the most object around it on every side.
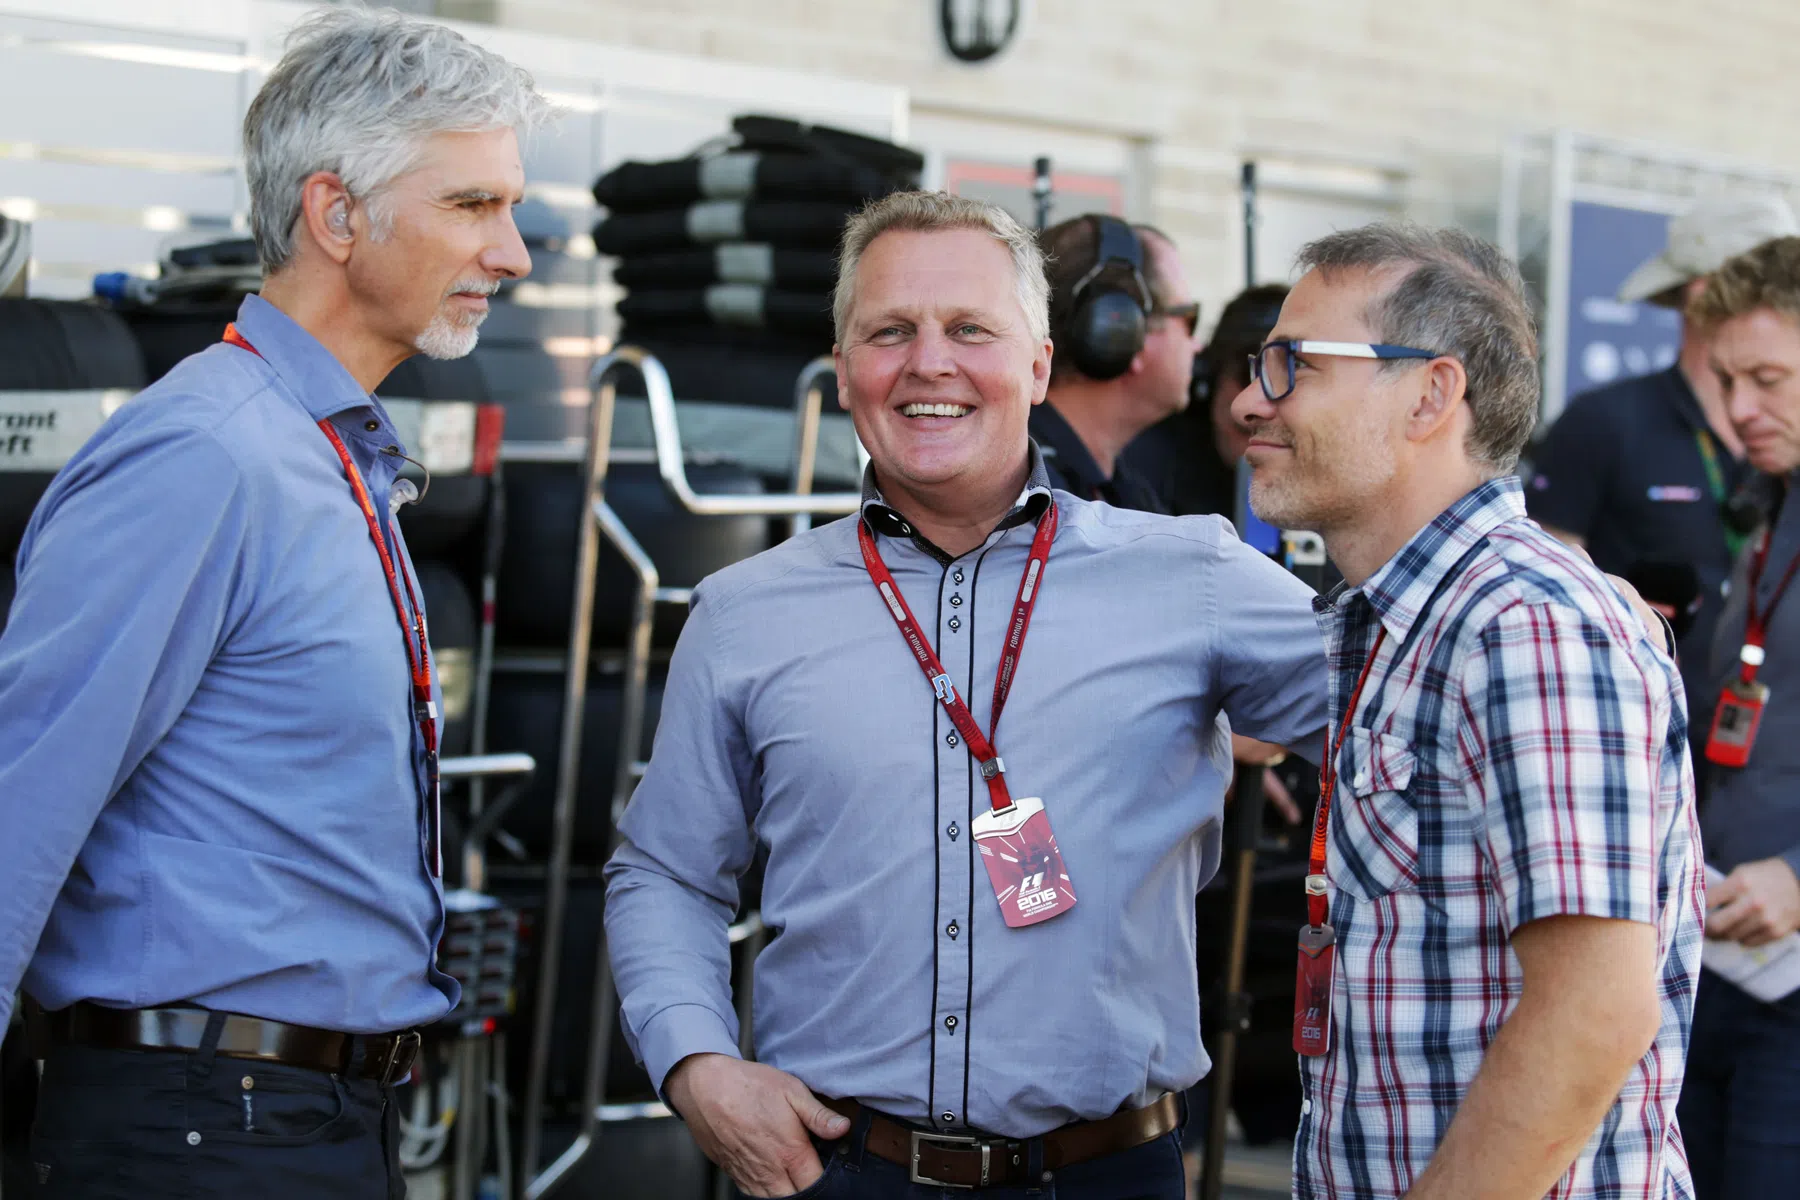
(1403, 586)
(312, 373)
(882, 519)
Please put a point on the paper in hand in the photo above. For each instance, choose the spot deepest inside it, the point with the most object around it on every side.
(1765, 972)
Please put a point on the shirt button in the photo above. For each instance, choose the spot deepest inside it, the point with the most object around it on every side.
(1305, 1107)
(953, 831)
(371, 425)
(957, 575)
(956, 600)
(1362, 780)
(955, 624)
(951, 738)
(249, 1083)
(952, 929)
(950, 1022)
(193, 1138)
(948, 1117)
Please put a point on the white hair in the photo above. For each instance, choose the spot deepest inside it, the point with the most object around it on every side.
(358, 93)
(925, 212)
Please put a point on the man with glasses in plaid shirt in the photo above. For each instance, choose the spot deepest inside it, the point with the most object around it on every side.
(1497, 975)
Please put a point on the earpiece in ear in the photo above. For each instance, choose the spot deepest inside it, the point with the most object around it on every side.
(340, 219)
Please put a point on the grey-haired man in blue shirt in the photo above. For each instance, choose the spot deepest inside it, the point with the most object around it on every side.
(216, 719)
(915, 1015)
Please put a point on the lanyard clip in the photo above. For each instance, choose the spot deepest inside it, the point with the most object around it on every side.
(992, 767)
(425, 710)
(1315, 885)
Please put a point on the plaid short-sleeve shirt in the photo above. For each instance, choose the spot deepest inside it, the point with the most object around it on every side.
(1519, 751)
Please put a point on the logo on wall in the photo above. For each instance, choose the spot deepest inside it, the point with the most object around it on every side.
(976, 30)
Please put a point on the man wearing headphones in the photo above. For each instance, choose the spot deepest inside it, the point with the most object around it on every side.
(1123, 324)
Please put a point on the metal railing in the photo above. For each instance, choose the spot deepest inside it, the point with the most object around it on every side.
(480, 1062)
(599, 521)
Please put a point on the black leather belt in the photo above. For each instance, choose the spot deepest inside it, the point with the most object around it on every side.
(950, 1160)
(384, 1057)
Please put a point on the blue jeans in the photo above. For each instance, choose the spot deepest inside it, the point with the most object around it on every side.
(1740, 1101)
(1152, 1171)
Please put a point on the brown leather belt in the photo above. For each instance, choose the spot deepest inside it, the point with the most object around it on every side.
(386, 1057)
(949, 1160)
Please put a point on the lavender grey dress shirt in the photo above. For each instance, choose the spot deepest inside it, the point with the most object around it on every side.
(796, 717)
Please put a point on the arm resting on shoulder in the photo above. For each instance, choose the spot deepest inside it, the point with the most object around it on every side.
(1268, 667)
(1588, 1013)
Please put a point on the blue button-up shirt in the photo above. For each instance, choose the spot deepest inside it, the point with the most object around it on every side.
(211, 781)
(795, 716)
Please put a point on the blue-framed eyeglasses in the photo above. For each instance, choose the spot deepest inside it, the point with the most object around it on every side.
(1273, 365)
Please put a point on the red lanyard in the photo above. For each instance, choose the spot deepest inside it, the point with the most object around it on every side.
(1318, 907)
(412, 630)
(1756, 623)
(993, 770)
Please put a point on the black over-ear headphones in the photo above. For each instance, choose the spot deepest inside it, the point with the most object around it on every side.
(1111, 304)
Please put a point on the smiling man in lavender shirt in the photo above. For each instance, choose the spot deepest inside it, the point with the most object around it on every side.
(904, 1017)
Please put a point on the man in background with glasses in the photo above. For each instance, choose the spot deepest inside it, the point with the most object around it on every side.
(1496, 978)
(1089, 416)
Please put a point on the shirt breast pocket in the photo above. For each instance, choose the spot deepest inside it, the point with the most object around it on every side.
(1375, 842)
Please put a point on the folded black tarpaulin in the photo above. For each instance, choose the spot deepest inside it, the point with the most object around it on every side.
(737, 175)
(742, 305)
(757, 132)
(790, 223)
(731, 262)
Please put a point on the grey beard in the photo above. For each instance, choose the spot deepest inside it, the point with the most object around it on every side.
(444, 338)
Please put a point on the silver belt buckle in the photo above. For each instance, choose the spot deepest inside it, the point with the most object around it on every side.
(948, 1139)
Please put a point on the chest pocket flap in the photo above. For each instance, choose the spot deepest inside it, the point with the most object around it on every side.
(1375, 844)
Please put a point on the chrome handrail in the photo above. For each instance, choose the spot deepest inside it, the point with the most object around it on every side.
(562, 820)
(665, 433)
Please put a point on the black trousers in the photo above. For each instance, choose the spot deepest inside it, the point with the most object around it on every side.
(150, 1125)
(1740, 1100)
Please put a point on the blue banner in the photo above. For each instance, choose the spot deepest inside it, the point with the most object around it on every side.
(1608, 340)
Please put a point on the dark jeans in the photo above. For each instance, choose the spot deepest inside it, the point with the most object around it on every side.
(1740, 1101)
(144, 1125)
(1152, 1171)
